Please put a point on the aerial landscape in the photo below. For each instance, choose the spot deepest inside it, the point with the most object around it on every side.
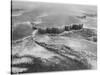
(49, 37)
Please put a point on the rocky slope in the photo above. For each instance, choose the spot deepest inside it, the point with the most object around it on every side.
(45, 53)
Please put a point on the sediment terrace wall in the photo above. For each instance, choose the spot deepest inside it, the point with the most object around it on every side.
(56, 30)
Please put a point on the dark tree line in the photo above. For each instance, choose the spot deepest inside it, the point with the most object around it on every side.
(51, 30)
(74, 27)
(54, 30)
